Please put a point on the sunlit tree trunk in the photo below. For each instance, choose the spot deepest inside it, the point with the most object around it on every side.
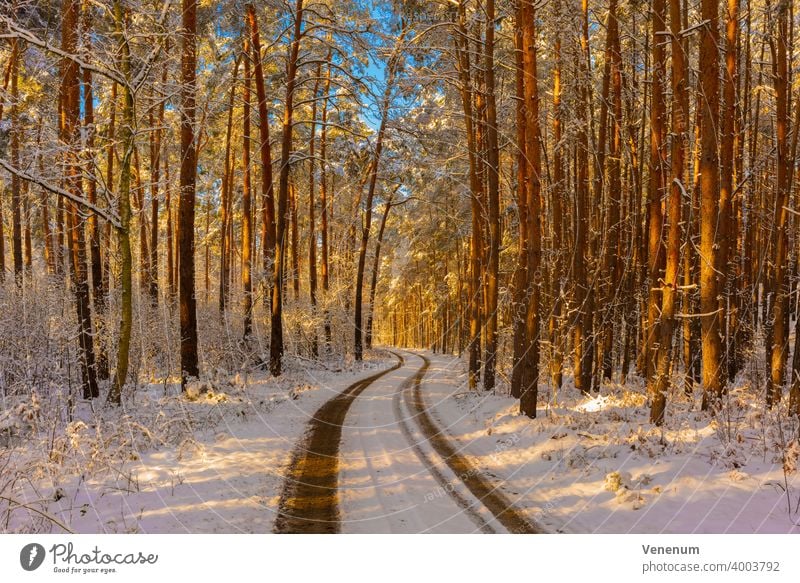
(226, 203)
(312, 203)
(247, 211)
(709, 206)
(324, 199)
(493, 200)
(669, 294)
(295, 234)
(727, 143)
(557, 209)
(530, 370)
(658, 174)
(780, 337)
(461, 41)
(612, 262)
(267, 189)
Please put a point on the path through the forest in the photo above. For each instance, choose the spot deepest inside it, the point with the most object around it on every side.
(374, 459)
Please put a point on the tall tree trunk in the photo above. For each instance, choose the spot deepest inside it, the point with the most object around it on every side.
(70, 85)
(312, 233)
(780, 337)
(267, 189)
(98, 289)
(584, 353)
(324, 203)
(226, 204)
(556, 205)
(727, 142)
(247, 212)
(16, 183)
(493, 199)
(111, 137)
(530, 371)
(520, 294)
(669, 295)
(295, 234)
(461, 42)
(188, 303)
(376, 265)
(709, 206)
(172, 276)
(612, 260)
(155, 193)
(127, 137)
(358, 348)
(658, 175)
(276, 314)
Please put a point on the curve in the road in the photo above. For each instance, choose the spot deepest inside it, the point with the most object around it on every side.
(497, 503)
(309, 502)
(447, 487)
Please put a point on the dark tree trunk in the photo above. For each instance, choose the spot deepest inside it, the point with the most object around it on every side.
(186, 207)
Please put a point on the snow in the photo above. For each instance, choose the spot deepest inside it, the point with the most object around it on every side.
(386, 483)
(224, 477)
(214, 462)
(698, 475)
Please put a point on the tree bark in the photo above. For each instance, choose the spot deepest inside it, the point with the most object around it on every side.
(186, 207)
(358, 348)
(16, 183)
(493, 199)
(226, 203)
(127, 137)
(247, 212)
(669, 295)
(312, 233)
(780, 337)
(709, 206)
(376, 265)
(70, 87)
(530, 371)
(323, 187)
(276, 319)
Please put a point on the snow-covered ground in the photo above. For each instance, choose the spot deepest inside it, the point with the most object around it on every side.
(215, 463)
(212, 465)
(391, 480)
(596, 464)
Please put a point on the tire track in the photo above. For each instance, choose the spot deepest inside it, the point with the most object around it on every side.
(491, 497)
(445, 484)
(309, 501)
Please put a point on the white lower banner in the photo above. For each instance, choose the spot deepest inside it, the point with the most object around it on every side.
(379, 558)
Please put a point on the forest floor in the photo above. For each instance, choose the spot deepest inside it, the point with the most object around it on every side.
(214, 463)
(413, 450)
(596, 464)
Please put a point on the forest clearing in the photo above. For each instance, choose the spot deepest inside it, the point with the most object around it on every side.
(448, 266)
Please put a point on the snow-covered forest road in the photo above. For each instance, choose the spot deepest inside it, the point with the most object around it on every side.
(386, 466)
